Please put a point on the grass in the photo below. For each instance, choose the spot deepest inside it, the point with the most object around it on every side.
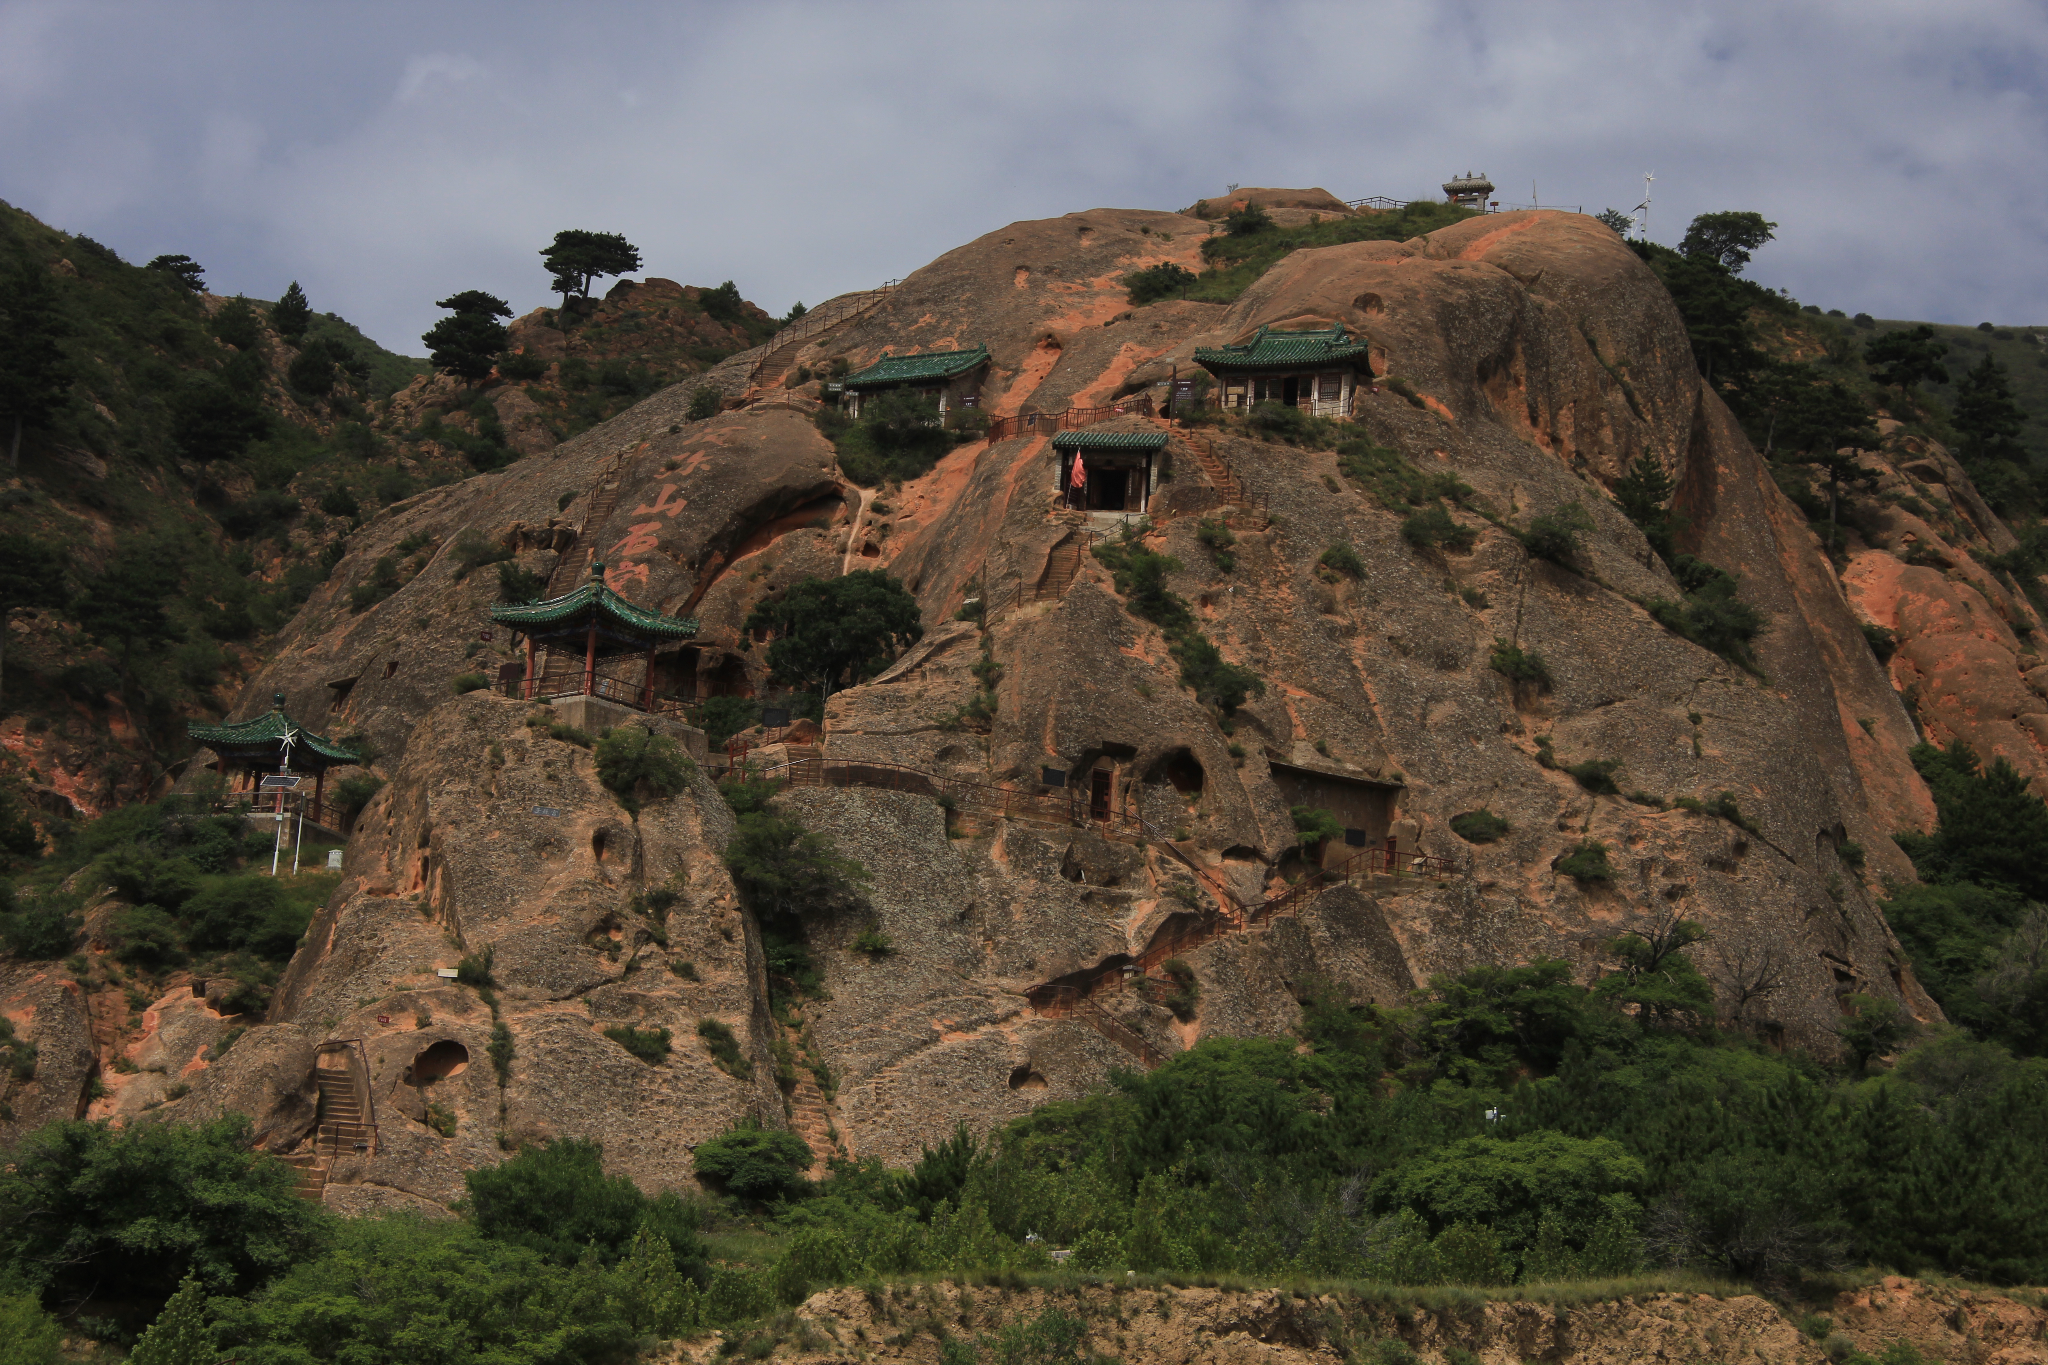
(1235, 261)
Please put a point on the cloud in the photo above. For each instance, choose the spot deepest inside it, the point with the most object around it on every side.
(806, 149)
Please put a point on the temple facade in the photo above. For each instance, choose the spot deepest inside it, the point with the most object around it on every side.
(591, 643)
(1317, 371)
(950, 378)
(1118, 469)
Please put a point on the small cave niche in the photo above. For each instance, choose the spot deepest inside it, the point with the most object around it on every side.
(1022, 1077)
(598, 844)
(445, 1058)
(1180, 769)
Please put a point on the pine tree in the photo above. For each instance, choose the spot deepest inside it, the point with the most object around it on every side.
(291, 315)
(1644, 493)
(179, 1335)
(1986, 415)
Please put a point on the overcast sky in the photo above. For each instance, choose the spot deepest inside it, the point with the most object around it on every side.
(386, 155)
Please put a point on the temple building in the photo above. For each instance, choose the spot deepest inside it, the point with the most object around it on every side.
(951, 378)
(1119, 469)
(247, 752)
(1316, 371)
(586, 643)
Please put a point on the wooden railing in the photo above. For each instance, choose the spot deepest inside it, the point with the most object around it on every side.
(1045, 423)
(608, 685)
(1066, 1003)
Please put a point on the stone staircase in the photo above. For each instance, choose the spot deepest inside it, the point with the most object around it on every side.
(338, 1127)
(1061, 568)
(811, 1115)
(604, 496)
(1223, 477)
(826, 317)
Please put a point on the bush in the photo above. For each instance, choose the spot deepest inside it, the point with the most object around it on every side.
(873, 942)
(474, 970)
(636, 765)
(1215, 682)
(1596, 775)
(1434, 526)
(1712, 615)
(705, 402)
(502, 1051)
(1518, 665)
(556, 1200)
(1312, 825)
(785, 870)
(649, 1045)
(465, 683)
(352, 793)
(1247, 220)
(725, 1049)
(88, 1206)
(571, 734)
(1479, 826)
(250, 914)
(1157, 282)
(1883, 643)
(1217, 536)
(472, 550)
(1555, 534)
(1184, 994)
(33, 1337)
(1586, 863)
(1339, 557)
(517, 585)
(43, 932)
(720, 718)
(898, 437)
(148, 939)
(382, 583)
(522, 366)
(753, 1162)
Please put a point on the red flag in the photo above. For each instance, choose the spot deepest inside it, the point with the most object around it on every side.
(1080, 475)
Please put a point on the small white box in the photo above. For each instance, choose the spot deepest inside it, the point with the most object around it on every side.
(334, 860)
(448, 972)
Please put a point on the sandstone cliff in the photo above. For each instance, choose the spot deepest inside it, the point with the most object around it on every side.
(1541, 356)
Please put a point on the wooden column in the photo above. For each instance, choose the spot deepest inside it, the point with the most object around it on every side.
(320, 797)
(531, 681)
(590, 661)
(647, 687)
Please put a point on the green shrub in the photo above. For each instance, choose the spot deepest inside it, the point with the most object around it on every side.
(1479, 826)
(1242, 222)
(898, 437)
(1586, 863)
(636, 765)
(352, 793)
(44, 931)
(1184, 993)
(382, 583)
(475, 968)
(649, 1045)
(1339, 557)
(517, 585)
(1164, 281)
(570, 734)
(1313, 824)
(1517, 664)
(1554, 535)
(472, 550)
(502, 1051)
(251, 914)
(465, 683)
(753, 1162)
(1392, 481)
(873, 942)
(1434, 526)
(1712, 615)
(720, 718)
(1217, 536)
(522, 366)
(1596, 775)
(555, 1199)
(725, 1049)
(1883, 643)
(441, 1119)
(705, 402)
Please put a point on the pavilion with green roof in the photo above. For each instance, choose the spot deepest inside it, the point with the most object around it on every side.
(952, 378)
(271, 743)
(1318, 371)
(1117, 473)
(597, 624)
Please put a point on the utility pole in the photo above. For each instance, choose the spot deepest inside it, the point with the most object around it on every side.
(1643, 209)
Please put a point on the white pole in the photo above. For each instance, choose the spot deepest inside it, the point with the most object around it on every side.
(299, 841)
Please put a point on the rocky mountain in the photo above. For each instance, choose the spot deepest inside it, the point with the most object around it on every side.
(1527, 361)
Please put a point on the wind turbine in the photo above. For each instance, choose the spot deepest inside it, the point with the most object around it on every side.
(1642, 210)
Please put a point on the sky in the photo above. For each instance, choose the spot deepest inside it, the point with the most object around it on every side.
(387, 155)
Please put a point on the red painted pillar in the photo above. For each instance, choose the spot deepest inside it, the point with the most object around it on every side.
(590, 661)
(531, 681)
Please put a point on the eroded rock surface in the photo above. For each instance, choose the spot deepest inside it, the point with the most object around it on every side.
(1541, 356)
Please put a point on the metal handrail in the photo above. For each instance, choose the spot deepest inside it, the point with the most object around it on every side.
(369, 1090)
(1067, 419)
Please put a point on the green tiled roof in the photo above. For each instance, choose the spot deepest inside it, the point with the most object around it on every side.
(1109, 440)
(1270, 350)
(594, 596)
(268, 730)
(911, 369)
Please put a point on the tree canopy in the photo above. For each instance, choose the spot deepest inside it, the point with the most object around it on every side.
(1726, 239)
(1909, 356)
(467, 343)
(836, 631)
(186, 271)
(291, 314)
(576, 257)
(33, 370)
